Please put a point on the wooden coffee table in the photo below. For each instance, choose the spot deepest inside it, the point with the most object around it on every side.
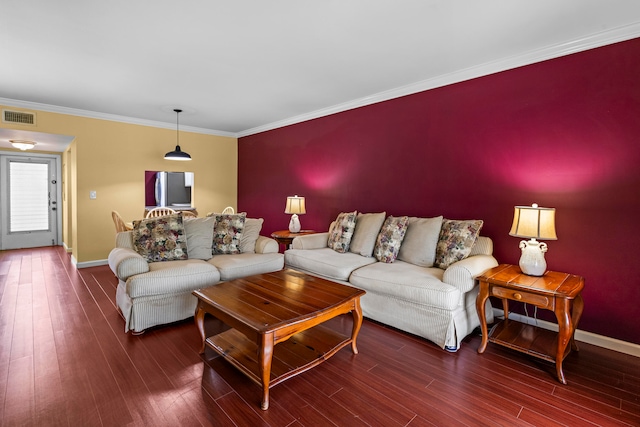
(286, 308)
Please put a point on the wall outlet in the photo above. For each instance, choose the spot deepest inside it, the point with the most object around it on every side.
(93, 194)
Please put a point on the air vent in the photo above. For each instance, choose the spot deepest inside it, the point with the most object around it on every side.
(19, 117)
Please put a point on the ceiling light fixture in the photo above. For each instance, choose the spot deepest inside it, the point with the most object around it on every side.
(177, 154)
(22, 144)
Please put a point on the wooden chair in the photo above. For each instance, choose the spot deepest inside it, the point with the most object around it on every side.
(188, 214)
(226, 211)
(156, 212)
(120, 224)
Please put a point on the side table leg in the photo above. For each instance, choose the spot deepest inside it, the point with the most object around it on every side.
(565, 333)
(480, 307)
(357, 324)
(265, 355)
(576, 313)
(199, 318)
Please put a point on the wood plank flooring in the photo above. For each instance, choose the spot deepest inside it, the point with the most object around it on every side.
(65, 361)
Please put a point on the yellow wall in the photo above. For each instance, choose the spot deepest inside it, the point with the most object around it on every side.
(111, 158)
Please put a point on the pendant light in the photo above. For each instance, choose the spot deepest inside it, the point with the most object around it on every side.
(177, 154)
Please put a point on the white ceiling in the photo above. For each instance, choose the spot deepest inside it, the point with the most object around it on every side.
(240, 67)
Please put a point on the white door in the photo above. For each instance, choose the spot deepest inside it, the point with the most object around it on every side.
(28, 195)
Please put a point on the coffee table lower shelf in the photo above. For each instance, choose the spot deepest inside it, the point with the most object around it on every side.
(299, 353)
(528, 339)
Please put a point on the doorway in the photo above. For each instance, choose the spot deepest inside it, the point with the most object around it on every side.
(29, 194)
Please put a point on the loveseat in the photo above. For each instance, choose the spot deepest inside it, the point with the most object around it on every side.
(419, 273)
(163, 260)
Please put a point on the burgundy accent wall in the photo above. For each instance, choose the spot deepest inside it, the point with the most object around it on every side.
(563, 133)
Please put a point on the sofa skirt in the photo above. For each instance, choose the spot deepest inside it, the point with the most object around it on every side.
(144, 312)
(446, 328)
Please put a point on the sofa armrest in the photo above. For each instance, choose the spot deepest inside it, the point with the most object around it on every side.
(462, 274)
(311, 241)
(266, 245)
(126, 263)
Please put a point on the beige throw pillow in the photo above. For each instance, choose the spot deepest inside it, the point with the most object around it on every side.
(252, 228)
(419, 244)
(364, 237)
(199, 233)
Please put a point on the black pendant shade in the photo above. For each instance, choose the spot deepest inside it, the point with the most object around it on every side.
(177, 154)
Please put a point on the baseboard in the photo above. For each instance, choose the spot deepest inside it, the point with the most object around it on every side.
(66, 248)
(583, 336)
(87, 264)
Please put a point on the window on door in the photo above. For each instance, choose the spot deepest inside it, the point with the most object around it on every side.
(29, 197)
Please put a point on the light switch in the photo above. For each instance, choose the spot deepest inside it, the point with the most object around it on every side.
(92, 194)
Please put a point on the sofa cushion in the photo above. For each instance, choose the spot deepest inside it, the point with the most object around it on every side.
(160, 239)
(341, 233)
(326, 262)
(390, 238)
(456, 240)
(227, 233)
(407, 282)
(199, 233)
(367, 229)
(172, 277)
(242, 265)
(124, 239)
(419, 244)
(252, 228)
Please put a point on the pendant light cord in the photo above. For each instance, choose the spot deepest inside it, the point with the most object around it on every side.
(178, 111)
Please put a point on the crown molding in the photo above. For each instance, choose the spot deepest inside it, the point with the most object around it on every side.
(111, 117)
(600, 39)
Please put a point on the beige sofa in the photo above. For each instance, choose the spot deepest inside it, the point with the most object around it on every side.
(409, 293)
(156, 293)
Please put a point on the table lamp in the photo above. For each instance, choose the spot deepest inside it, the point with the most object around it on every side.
(533, 222)
(295, 206)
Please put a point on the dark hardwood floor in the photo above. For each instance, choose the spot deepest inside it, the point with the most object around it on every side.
(65, 360)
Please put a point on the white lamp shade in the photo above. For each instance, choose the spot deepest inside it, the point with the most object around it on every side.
(295, 205)
(533, 222)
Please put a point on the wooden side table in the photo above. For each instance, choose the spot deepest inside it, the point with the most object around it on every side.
(285, 237)
(558, 292)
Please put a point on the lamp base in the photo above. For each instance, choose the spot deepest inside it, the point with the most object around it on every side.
(532, 260)
(294, 224)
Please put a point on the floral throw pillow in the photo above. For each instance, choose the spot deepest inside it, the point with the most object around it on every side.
(390, 238)
(227, 233)
(160, 239)
(455, 241)
(342, 232)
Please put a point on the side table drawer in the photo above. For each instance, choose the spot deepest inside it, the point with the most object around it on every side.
(538, 300)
